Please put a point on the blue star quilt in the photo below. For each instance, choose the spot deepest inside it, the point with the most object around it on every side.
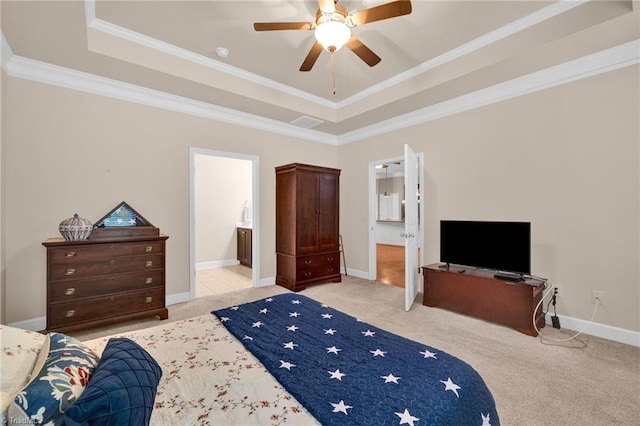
(347, 372)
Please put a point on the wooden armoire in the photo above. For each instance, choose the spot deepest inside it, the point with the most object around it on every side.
(307, 225)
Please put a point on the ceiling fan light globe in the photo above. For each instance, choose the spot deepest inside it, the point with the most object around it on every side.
(332, 35)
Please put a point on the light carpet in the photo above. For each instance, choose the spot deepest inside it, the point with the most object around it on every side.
(532, 383)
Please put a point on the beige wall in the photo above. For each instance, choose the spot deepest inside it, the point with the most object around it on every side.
(76, 152)
(2, 261)
(565, 159)
(222, 185)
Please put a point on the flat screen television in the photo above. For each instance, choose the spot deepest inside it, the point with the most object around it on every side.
(503, 246)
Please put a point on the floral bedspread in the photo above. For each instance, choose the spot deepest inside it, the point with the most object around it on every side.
(209, 378)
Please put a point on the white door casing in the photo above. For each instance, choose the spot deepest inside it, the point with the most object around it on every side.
(411, 226)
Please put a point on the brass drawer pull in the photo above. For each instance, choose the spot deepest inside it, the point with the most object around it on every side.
(70, 313)
(148, 264)
(330, 270)
(148, 249)
(148, 280)
(330, 259)
(307, 274)
(70, 254)
(70, 271)
(149, 299)
(70, 291)
(308, 262)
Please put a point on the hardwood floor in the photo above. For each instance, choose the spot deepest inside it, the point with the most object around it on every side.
(390, 264)
(390, 270)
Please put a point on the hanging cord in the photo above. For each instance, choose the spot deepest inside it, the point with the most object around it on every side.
(593, 315)
(333, 67)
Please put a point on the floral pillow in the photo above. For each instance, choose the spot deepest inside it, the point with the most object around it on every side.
(61, 380)
(18, 356)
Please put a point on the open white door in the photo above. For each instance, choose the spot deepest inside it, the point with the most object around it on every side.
(410, 226)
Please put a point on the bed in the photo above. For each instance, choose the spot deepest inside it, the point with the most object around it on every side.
(222, 368)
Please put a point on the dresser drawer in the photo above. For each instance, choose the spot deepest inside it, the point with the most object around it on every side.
(90, 309)
(62, 291)
(105, 266)
(89, 252)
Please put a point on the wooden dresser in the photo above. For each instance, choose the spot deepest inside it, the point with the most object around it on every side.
(307, 225)
(97, 282)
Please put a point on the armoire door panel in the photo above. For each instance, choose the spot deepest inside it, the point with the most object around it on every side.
(328, 212)
(307, 218)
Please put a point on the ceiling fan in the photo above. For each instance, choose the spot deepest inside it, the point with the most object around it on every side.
(333, 28)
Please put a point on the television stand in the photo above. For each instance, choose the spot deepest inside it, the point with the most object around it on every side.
(479, 293)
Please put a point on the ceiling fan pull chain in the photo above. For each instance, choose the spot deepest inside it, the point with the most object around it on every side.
(333, 70)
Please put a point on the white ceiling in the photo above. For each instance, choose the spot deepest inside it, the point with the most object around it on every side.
(442, 51)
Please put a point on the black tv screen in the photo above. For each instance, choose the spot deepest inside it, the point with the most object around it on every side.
(503, 246)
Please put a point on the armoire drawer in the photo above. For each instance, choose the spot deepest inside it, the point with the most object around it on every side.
(94, 308)
(89, 252)
(314, 272)
(317, 260)
(62, 291)
(105, 266)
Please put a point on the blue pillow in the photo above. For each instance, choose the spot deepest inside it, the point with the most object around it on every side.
(122, 390)
(66, 368)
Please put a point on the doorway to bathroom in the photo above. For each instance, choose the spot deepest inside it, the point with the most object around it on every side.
(224, 222)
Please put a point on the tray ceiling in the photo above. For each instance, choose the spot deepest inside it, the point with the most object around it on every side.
(442, 51)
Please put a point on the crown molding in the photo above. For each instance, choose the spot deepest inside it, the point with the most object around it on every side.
(134, 37)
(71, 79)
(5, 51)
(601, 62)
(598, 63)
(512, 28)
(548, 12)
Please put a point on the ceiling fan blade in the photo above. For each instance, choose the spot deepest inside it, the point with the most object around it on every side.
(366, 54)
(277, 26)
(378, 13)
(312, 57)
(327, 5)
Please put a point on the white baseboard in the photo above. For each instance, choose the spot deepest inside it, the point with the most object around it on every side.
(174, 299)
(355, 273)
(604, 331)
(217, 264)
(266, 282)
(596, 329)
(33, 324)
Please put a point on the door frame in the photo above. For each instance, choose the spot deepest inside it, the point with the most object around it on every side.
(411, 226)
(255, 216)
(373, 208)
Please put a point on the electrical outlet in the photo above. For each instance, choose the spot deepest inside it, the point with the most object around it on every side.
(597, 297)
(558, 290)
